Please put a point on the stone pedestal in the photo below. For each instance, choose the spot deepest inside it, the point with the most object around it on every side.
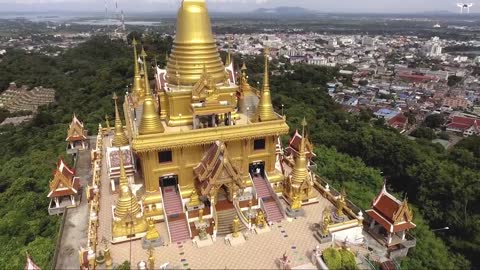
(146, 244)
(200, 225)
(203, 243)
(235, 241)
(195, 207)
(293, 213)
(322, 238)
(264, 229)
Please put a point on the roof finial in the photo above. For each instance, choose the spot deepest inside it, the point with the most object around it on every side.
(150, 122)
(137, 81)
(265, 108)
(119, 139)
(228, 60)
(123, 175)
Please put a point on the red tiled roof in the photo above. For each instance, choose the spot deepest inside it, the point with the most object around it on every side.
(64, 182)
(295, 142)
(386, 206)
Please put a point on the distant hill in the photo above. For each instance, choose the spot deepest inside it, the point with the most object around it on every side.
(283, 11)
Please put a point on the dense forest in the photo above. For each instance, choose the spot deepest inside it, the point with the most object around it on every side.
(352, 152)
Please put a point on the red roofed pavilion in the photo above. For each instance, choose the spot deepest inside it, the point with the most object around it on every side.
(390, 217)
(63, 186)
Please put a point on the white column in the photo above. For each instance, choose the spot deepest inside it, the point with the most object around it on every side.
(57, 203)
(72, 199)
(389, 238)
(372, 224)
(403, 235)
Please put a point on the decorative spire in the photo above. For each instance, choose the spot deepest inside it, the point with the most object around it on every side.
(300, 171)
(127, 204)
(265, 108)
(228, 60)
(119, 139)
(150, 122)
(137, 80)
(194, 34)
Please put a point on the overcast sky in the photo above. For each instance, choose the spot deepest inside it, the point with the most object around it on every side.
(375, 6)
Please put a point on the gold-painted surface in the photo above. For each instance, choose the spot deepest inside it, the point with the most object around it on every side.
(152, 232)
(341, 203)
(119, 138)
(137, 79)
(205, 136)
(265, 108)
(128, 218)
(150, 122)
(235, 225)
(194, 46)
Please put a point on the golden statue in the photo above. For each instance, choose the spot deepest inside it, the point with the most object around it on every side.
(152, 232)
(194, 200)
(261, 222)
(296, 203)
(341, 203)
(200, 216)
(151, 259)
(108, 258)
(108, 123)
(326, 221)
(236, 224)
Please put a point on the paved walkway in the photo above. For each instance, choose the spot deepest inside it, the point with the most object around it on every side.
(76, 221)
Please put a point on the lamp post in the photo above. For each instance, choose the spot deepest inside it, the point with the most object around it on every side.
(282, 110)
(441, 229)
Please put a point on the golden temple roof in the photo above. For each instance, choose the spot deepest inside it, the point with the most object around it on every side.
(194, 46)
(76, 131)
(119, 138)
(265, 108)
(150, 122)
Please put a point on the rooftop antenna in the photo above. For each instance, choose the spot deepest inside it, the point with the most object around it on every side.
(463, 6)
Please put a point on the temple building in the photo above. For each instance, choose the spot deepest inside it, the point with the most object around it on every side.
(194, 136)
(76, 136)
(64, 189)
(390, 219)
(30, 264)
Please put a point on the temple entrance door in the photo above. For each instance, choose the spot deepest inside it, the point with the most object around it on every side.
(257, 168)
(169, 181)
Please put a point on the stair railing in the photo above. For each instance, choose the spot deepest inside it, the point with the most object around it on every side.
(183, 210)
(243, 218)
(166, 217)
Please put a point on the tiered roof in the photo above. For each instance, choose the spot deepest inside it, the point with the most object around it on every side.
(64, 182)
(30, 265)
(294, 145)
(76, 132)
(215, 169)
(392, 214)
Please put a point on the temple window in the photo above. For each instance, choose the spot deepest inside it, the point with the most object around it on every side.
(165, 156)
(259, 144)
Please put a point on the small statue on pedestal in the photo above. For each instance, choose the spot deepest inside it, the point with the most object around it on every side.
(261, 222)
(194, 199)
(326, 221)
(151, 259)
(200, 216)
(296, 203)
(152, 232)
(341, 203)
(202, 235)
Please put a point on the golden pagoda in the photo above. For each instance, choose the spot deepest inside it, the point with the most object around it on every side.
(265, 108)
(299, 182)
(128, 218)
(119, 138)
(138, 84)
(192, 120)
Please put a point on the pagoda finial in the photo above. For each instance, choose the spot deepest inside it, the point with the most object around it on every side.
(119, 139)
(150, 122)
(265, 107)
(304, 139)
(228, 60)
(123, 175)
(137, 80)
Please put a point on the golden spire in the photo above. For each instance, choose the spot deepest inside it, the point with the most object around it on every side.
(265, 108)
(137, 80)
(300, 171)
(228, 60)
(119, 139)
(150, 122)
(127, 204)
(193, 45)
